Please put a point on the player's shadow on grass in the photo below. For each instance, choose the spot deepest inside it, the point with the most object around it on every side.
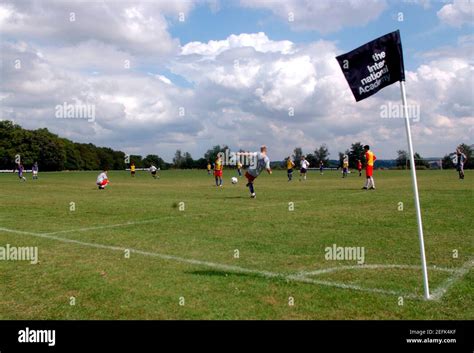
(228, 197)
(216, 273)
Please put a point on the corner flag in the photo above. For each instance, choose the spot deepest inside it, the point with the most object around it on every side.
(368, 69)
(373, 65)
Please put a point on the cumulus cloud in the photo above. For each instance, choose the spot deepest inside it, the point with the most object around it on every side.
(324, 16)
(137, 27)
(244, 88)
(457, 13)
(258, 41)
(129, 108)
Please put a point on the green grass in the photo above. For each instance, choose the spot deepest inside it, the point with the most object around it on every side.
(215, 222)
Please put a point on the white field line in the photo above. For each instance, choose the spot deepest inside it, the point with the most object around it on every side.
(222, 267)
(303, 279)
(439, 292)
(179, 214)
(370, 267)
(100, 227)
(154, 220)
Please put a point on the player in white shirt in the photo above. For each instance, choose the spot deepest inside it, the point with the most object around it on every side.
(304, 164)
(260, 162)
(102, 180)
(153, 170)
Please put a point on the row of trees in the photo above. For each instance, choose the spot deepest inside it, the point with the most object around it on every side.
(147, 162)
(356, 152)
(314, 158)
(55, 153)
(446, 162)
(51, 151)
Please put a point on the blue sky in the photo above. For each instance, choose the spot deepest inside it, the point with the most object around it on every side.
(420, 28)
(234, 69)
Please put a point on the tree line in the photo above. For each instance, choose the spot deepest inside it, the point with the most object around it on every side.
(356, 152)
(54, 153)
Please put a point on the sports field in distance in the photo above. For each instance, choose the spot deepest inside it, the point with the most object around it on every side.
(180, 248)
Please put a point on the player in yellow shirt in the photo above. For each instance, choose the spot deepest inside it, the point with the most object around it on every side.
(345, 166)
(218, 167)
(369, 168)
(289, 168)
(209, 168)
(132, 169)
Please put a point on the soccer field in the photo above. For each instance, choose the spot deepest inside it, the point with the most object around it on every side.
(180, 248)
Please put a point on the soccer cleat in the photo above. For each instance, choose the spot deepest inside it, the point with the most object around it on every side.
(372, 188)
(364, 188)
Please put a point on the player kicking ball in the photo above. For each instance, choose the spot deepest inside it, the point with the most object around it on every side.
(153, 171)
(102, 180)
(259, 163)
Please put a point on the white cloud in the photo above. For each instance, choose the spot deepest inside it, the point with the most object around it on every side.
(258, 41)
(139, 27)
(458, 13)
(164, 79)
(322, 15)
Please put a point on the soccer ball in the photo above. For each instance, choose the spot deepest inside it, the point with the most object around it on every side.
(234, 180)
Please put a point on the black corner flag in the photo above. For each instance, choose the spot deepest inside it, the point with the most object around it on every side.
(374, 65)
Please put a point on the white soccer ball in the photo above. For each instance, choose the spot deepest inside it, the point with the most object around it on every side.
(234, 180)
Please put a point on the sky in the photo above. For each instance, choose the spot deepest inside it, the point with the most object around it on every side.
(188, 75)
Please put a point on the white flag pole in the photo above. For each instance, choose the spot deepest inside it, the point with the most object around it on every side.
(415, 191)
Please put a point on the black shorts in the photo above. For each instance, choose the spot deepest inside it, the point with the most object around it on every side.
(303, 170)
(290, 171)
(153, 173)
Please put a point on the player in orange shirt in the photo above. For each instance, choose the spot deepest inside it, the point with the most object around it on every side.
(369, 168)
(359, 167)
